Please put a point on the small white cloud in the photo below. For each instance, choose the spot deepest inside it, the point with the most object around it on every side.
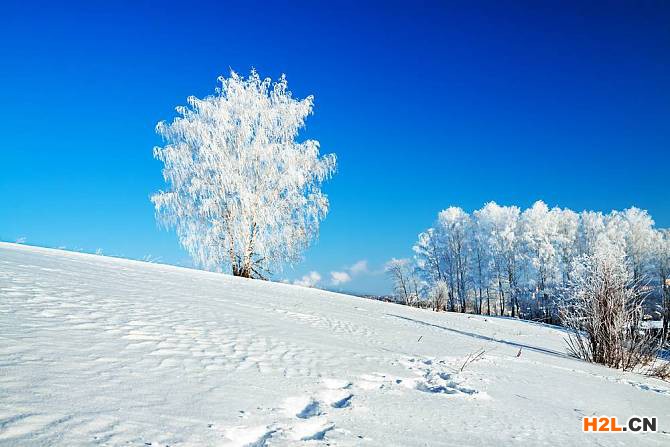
(359, 267)
(22, 240)
(309, 280)
(337, 278)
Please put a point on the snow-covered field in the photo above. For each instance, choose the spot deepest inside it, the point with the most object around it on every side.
(97, 350)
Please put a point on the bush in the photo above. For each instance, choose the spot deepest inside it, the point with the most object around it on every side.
(603, 312)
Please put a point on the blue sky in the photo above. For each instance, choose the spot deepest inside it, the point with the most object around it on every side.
(426, 105)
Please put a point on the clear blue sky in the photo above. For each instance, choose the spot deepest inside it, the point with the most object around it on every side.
(426, 106)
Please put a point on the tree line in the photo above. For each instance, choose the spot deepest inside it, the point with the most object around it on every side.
(501, 260)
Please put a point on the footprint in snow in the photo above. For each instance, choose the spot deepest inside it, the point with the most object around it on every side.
(302, 407)
(248, 436)
(434, 379)
(336, 398)
(430, 376)
(311, 429)
(307, 418)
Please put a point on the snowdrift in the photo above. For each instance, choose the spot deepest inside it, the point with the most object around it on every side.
(104, 351)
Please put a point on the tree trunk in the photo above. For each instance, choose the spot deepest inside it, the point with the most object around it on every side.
(665, 336)
(488, 301)
(501, 297)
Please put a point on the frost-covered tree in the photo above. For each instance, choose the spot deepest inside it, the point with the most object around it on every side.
(438, 295)
(591, 225)
(661, 255)
(480, 265)
(639, 240)
(243, 193)
(603, 309)
(406, 285)
(566, 241)
(429, 256)
(539, 232)
(441, 254)
(501, 225)
(453, 226)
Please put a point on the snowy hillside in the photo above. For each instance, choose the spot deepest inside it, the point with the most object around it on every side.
(96, 350)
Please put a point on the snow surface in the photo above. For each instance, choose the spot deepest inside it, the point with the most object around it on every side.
(103, 351)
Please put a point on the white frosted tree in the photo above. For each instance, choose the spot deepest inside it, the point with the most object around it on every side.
(406, 285)
(453, 228)
(662, 263)
(438, 295)
(500, 224)
(441, 254)
(639, 240)
(591, 226)
(243, 193)
(539, 231)
(480, 264)
(604, 309)
(567, 237)
(429, 256)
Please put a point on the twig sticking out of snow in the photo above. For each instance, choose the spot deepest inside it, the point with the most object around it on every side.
(472, 357)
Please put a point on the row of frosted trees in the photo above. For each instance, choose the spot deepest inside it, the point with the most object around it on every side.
(505, 261)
